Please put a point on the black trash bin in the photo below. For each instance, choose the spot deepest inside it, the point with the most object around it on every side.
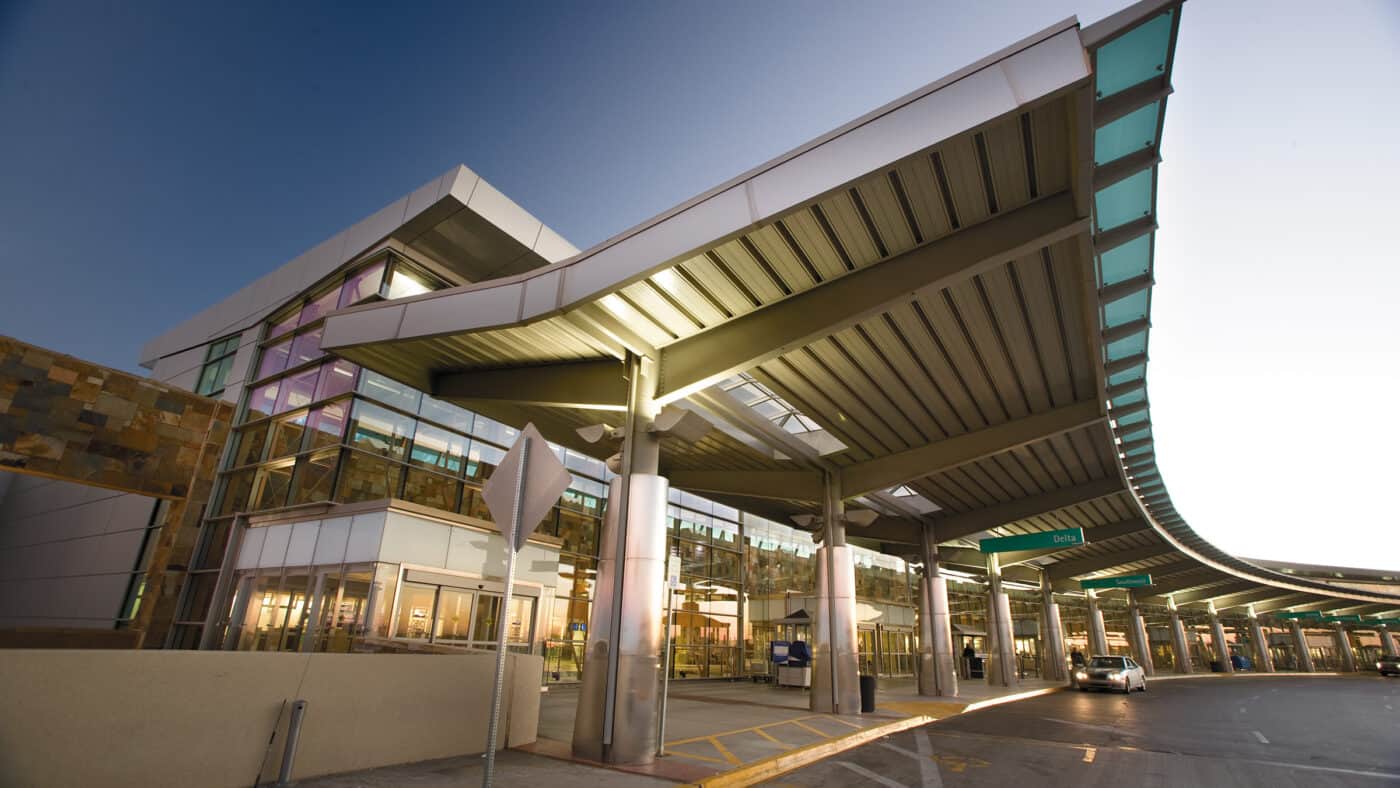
(867, 694)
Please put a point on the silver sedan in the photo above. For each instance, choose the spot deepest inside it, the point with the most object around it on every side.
(1117, 673)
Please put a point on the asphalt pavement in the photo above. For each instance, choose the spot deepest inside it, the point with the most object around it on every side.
(1272, 732)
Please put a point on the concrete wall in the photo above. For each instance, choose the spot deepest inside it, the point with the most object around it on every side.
(67, 552)
(180, 718)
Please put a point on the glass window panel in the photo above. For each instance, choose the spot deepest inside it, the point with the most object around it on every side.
(211, 379)
(236, 492)
(1131, 133)
(579, 532)
(318, 308)
(380, 430)
(261, 401)
(366, 478)
(287, 435)
(446, 414)
(1137, 55)
(434, 447)
(270, 486)
(1124, 201)
(1126, 261)
(405, 283)
(724, 565)
(1126, 309)
(361, 285)
(1127, 346)
(1136, 395)
(274, 358)
(337, 377)
(297, 390)
(1137, 435)
(482, 459)
(454, 616)
(581, 501)
(388, 391)
(327, 424)
(1119, 378)
(494, 431)
(284, 324)
(519, 624)
(431, 489)
(250, 445)
(1131, 419)
(415, 614)
(314, 476)
(305, 347)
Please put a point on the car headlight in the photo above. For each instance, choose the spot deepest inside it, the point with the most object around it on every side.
(1081, 675)
(1115, 675)
(1378, 666)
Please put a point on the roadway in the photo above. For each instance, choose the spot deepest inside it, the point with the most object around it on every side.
(1263, 731)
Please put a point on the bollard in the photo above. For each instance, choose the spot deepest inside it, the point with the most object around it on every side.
(289, 752)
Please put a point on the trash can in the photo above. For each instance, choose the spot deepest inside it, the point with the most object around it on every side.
(867, 694)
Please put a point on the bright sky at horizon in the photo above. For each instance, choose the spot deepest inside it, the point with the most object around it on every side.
(166, 157)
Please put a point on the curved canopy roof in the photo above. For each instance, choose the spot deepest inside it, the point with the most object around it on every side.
(944, 305)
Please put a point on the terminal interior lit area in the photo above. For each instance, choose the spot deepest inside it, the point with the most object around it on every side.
(801, 407)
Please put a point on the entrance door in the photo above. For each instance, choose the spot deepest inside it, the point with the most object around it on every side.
(868, 646)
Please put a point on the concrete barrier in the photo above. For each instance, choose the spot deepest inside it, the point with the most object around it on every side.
(181, 718)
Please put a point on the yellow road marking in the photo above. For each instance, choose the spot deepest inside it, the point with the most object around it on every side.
(806, 727)
(728, 756)
(843, 722)
(1089, 755)
(768, 736)
(705, 758)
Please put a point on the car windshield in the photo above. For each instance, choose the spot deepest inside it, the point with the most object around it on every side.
(1106, 662)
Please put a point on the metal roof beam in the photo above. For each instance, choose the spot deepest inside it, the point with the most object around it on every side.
(1062, 570)
(1280, 603)
(1250, 597)
(894, 469)
(960, 525)
(778, 485)
(699, 360)
(1185, 580)
(1120, 235)
(1128, 101)
(1133, 163)
(1214, 592)
(592, 385)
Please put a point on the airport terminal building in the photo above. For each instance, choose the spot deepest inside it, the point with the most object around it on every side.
(926, 328)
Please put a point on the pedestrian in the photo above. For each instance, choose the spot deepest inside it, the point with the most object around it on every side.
(969, 654)
(1076, 661)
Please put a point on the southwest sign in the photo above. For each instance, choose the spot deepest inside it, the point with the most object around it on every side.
(1343, 619)
(1121, 581)
(1068, 537)
(1311, 615)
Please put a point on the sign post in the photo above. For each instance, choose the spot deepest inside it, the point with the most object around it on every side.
(523, 488)
(673, 582)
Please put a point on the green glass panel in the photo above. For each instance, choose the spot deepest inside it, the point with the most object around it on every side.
(1137, 55)
(1126, 309)
(1131, 133)
(1137, 435)
(1128, 346)
(1136, 373)
(1125, 261)
(1131, 419)
(1124, 201)
(1136, 395)
(1139, 450)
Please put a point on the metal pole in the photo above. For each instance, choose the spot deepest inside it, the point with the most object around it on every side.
(832, 501)
(666, 665)
(503, 616)
(289, 752)
(634, 393)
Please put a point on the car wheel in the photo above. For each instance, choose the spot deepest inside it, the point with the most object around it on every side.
(1143, 687)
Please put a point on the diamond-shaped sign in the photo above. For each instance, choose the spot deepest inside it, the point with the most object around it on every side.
(545, 480)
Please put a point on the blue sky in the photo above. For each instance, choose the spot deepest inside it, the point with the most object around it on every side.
(155, 156)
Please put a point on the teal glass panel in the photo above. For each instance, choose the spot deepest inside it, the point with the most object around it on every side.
(1139, 451)
(1131, 133)
(1125, 261)
(1137, 435)
(1128, 346)
(1137, 55)
(1131, 419)
(1126, 309)
(1136, 395)
(1136, 373)
(1124, 201)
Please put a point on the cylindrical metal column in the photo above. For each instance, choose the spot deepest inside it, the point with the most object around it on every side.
(1222, 649)
(836, 651)
(1055, 669)
(1001, 653)
(1179, 650)
(1344, 648)
(1387, 641)
(1300, 640)
(937, 670)
(1098, 638)
(1265, 660)
(1142, 649)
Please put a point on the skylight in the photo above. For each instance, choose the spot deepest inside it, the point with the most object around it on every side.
(763, 401)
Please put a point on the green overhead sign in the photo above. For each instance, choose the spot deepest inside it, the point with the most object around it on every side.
(1388, 622)
(1342, 619)
(1069, 537)
(1121, 581)
(1311, 615)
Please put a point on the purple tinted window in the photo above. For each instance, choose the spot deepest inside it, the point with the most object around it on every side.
(305, 347)
(274, 359)
(362, 284)
(261, 400)
(319, 308)
(297, 390)
(327, 423)
(337, 377)
(283, 326)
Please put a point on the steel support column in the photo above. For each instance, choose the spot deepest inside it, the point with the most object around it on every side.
(1387, 641)
(1217, 634)
(937, 670)
(1344, 647)
(617, 705)
(1265, 661)
(1142, 649)
(1055, 669)
(1001, 652)
(1300, 641)
(1098, 638)
(836, 652)
(1179, 650)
